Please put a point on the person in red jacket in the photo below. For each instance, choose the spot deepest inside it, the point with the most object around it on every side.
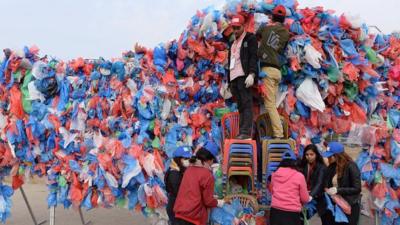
(196, 193)
(289, 192)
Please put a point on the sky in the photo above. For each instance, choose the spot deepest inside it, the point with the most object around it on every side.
(67, 29)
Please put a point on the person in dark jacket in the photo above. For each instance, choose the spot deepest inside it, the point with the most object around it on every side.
(313, 169)
(196, 193)
(343, 178)
(173, 177)
(273, 40)
(242, 73)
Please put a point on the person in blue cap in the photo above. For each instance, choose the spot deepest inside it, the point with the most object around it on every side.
(289, 192)
(343, 178)
(173, 177)
(196, 193)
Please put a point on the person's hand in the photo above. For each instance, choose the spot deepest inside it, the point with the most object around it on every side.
(310, 199)
(221, 203)
(332, 191)
(249, 80)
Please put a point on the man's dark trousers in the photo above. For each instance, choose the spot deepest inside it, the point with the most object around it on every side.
(244, 99)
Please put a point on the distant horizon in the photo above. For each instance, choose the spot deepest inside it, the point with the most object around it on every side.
(110, 28)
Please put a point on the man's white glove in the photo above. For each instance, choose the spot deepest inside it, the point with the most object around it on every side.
(310, 199)
(332, 191)
(249, 80)
(221, 203)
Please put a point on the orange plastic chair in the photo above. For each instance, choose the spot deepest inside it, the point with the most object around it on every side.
(233, 130)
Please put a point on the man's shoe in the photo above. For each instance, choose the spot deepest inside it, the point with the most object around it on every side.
(243, 137)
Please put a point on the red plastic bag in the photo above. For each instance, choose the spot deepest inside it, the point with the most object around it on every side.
(342, 203)
(341, 125)
(379, 190)
(358, 115)
(17, 181)
(16, 103)
(351, 71)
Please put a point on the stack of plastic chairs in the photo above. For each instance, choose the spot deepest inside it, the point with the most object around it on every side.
(271, 158)
(239, 156)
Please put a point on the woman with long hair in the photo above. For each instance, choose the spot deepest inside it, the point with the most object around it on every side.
(173, 177)
(313, 169)
(196, 193)
(289, 192)
(342, 178)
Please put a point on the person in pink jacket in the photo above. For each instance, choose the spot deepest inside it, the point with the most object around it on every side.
(289, 192)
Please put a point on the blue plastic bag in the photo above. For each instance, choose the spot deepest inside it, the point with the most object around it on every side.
(340, 217)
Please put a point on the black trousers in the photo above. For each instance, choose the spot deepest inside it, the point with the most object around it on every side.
(280, 217)
(329, 219)
(182, 222)
(170, 210)
(244, 99)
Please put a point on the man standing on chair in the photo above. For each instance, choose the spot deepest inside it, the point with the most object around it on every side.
(273, 40)
(242, 74)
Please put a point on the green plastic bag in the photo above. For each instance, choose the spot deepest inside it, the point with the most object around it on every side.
(26, 103)
(378, 177)
(304, 215)
(219, 112)
(62, 182)
(371, 55)
(351, 90)
(333, 74)
(156, 143)
(151, 126)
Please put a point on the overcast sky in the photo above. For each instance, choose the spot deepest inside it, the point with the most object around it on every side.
(92, 28)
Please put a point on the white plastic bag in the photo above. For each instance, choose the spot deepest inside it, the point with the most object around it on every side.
(3, 122)
(148, 165)
(225, 92)
(308, 93)
(312, 56)
(355, 20)
(362, 134)
(111, 181)
(280, 97)
(166, 109)
(34, 93)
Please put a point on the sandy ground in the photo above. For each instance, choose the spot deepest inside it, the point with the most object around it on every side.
(37, 194)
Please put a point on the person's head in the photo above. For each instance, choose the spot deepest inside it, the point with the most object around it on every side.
(237, 24)
(279, 14)
(289, 163)
(335, 154)
(207, 154)
(181, 156)
(289, 160)
(311, 155)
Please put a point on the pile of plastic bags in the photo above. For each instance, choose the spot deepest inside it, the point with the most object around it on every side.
(234, 213)
(102, 131)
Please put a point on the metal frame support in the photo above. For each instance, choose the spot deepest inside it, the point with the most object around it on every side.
(30, 208)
